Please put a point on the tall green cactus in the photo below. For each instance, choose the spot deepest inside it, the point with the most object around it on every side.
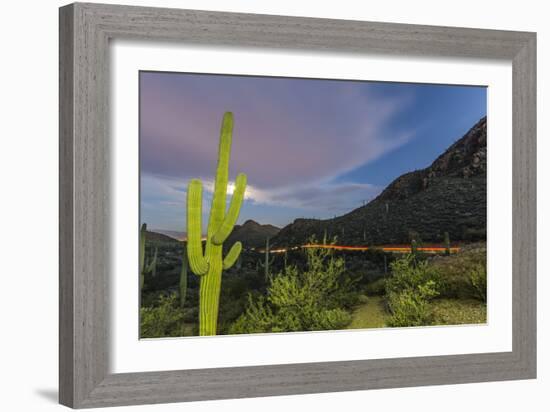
(152, 268)
(447, 242)
(183, 276)
(267, 260)
(142, 233)
(209, 265)
(414, 247)
(145, 267)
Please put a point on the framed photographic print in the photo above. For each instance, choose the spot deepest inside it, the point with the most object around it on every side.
(243, 196)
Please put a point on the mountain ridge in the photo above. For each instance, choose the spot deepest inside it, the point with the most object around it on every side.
(447, 196)
(252, 234)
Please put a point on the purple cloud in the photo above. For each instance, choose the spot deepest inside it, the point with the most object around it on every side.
(287, 132)
(293, 138)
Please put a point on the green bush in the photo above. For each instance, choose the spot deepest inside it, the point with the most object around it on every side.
(376, 288)
(163, 320)
(478, 282)
(411, 307)
(312, 299)
(409, 291)
(410, 273)
(464, 275)
(191, 315)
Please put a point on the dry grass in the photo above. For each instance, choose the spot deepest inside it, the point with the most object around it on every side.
(458, 311)
(369, 315)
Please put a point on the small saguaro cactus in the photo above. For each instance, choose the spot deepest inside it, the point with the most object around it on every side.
(152, 268)
(183, 276)
(267, 261)
(209, 265)
(447, 243)
(142, 255)
(414, 247)
(144, 267)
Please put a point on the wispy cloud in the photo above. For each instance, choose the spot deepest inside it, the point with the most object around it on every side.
(320, 200)
(286, 131)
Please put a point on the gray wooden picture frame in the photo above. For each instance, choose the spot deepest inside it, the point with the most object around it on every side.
(85, 32)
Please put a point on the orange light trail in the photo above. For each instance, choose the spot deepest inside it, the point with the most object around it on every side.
(398, 249)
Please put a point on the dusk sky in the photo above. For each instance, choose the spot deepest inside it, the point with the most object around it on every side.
(310, 148)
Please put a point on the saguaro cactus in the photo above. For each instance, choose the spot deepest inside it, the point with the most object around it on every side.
(152, 268)
(142, 255)
(267, 260)
(209, 265)
(447, 242)
(414, 247)
(144, 267)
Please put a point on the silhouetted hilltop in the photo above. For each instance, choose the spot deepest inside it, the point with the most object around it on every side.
(252, 234)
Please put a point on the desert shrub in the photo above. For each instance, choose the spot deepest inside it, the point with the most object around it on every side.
(296, 300)
(150, 299)
(376, 288)
(191, 315)
(409, 291)
(163, 320)
(411, 307)
(258, 317)
(331, 319)
(477, 278)
(464, 275)
(410, 273)
(230, 310)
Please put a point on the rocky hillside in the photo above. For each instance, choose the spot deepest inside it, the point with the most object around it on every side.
(448, 196)
(252, 234)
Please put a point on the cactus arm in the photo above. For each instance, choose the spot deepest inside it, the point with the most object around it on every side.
(197, 262)
(233, 214)
(232, 255)
(217, 210)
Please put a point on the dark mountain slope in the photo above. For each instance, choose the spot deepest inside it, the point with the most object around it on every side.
(152, 236)
(252, 234)
(448, 196)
